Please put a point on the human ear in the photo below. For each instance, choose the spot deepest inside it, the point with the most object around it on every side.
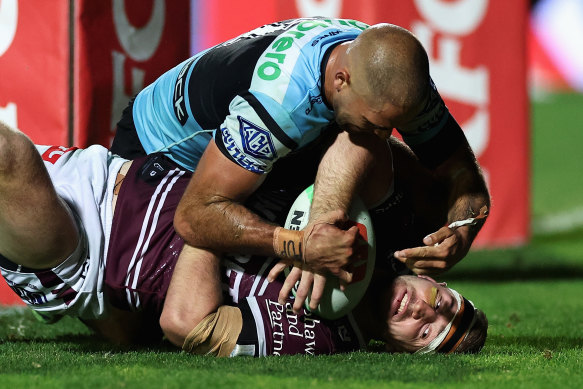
(341, 78)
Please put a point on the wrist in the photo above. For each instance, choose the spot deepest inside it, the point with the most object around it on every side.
(288, 244)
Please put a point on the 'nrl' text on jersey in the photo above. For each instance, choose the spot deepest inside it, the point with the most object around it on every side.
(259, 93)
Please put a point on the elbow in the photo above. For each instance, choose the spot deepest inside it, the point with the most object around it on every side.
(175, 326)
(184, 225)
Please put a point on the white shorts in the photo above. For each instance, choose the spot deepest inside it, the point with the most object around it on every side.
(84, 179)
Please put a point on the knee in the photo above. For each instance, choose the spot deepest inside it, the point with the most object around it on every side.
(14, 147)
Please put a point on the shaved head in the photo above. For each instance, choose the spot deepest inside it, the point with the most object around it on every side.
(388, 63)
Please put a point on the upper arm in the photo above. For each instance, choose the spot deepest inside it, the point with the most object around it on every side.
(210, 209)
(256, 132)
(434, 135)
(217, 177)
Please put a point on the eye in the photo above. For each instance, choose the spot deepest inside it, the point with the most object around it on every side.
(438, 303)
(425, 333)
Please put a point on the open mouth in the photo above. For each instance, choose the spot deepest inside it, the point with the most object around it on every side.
(403, 303)
(400, 305)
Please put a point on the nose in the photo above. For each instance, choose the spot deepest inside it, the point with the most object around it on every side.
(422, 310)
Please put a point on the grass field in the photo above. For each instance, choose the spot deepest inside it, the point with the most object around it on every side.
(532, 295)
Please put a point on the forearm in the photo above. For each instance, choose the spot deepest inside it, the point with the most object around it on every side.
(194, 293)
(468, 192)
(341, 173)
(223, 225)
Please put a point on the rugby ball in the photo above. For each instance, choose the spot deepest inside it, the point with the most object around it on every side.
(336, 303)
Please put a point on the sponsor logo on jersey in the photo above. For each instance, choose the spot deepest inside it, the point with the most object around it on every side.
(257, 141)
(53, 153)
(179, 101)
(32, 298)
(237, 154)
(270, 70)
(319, 38)
(313, 101)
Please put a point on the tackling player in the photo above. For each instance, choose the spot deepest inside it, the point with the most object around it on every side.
(234, 111)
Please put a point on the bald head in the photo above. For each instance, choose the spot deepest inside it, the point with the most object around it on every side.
(389, 64)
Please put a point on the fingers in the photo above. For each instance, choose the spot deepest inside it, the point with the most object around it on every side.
(438, 237)
(303, 290)
(291, 279)
(344, 278)
(317, 291)
(276, 270)
(428, 268)
(427, 260)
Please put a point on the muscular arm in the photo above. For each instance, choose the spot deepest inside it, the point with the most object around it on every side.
(467, 194)
(353, 164)
(344, 169)
(211, 214)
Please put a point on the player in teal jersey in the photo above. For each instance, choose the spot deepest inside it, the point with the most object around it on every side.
(235, 111)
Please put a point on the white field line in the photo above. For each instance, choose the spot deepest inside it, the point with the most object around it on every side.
(558, 222)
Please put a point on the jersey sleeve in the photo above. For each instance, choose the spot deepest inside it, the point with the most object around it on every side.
(433, 134)
(428, 122)
(257, 132)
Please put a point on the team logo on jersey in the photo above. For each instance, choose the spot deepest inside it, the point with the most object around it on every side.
(238, 155)
(256, 141)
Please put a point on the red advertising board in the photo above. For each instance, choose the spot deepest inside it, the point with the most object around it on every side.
(120, 47)
(63, 91)
(34, 68)
(34, 76)
(477, 51)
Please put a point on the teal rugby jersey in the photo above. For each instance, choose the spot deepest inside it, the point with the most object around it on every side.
(260, 95)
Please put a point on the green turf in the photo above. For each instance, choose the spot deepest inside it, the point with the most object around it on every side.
(532, 296)
(557, 157)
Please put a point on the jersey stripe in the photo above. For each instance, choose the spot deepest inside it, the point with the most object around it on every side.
(261, 342)
(269, 122)
(146, 225)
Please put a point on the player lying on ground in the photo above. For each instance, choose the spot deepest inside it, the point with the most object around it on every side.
(64, 252)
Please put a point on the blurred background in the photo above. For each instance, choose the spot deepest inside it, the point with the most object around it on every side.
(511, 72)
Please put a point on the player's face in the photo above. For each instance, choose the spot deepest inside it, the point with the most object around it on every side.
(419, 310)
(355, 115)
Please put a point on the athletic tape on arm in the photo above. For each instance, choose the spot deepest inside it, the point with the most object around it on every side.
(216, 334)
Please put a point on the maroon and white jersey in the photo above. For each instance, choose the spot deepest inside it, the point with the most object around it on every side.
(270, 328)
(143, 246)
(84, 179)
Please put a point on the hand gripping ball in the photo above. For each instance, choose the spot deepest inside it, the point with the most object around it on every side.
(336, 303)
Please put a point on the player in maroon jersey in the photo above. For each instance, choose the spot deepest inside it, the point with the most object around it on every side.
(117, 281)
